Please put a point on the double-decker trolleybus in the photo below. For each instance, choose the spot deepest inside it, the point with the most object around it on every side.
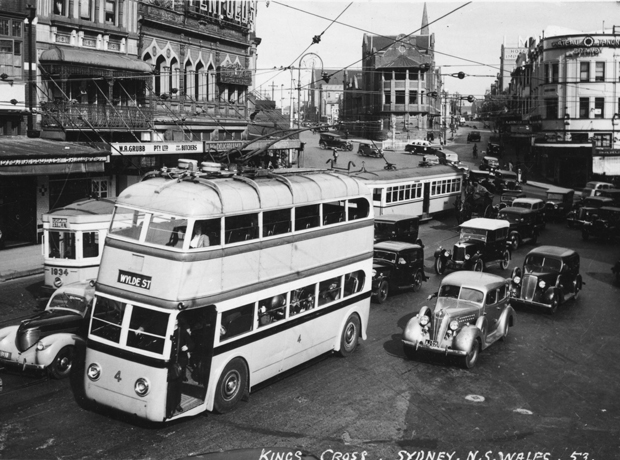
(217, 283)
(420, 191)
(73, 238)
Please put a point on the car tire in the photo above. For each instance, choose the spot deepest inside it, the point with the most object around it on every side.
(440, 266)
(350, 336)
(478, 266)
(553, 308)
(505, 260)
(417, 281)
(63, 362)
(350, 147)
(323, 145)
(514, 242)
(505, 336)
(231, 387)
(383, 291)
(471, 358)
(577, 290)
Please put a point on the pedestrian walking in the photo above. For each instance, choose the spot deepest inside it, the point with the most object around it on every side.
(335, 155)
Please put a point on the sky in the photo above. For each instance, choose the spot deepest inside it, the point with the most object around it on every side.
(468, 34)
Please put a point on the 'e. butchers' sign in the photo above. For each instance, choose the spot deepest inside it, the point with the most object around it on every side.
(132, 279)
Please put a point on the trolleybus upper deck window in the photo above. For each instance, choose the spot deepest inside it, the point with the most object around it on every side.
(276, 222)
(358, 208)
(127, 223)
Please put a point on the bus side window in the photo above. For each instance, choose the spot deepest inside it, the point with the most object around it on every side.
(276, 222)
(302, 300)
(237, 321)
(333, 212)
(353, 282)
(329, 290)
(243, 227)
(307, 217)
(357, 208)
(271, 309)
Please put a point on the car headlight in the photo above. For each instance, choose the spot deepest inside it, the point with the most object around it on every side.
(454, 325)
(467, 257)
(374, 272)
(517, 279)
(542, 284)
(424, 320)
(446, 253)
(94, 372)
(141, 387)
(41, 346)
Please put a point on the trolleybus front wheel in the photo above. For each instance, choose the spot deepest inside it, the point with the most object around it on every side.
(231, 387)
(350, 336)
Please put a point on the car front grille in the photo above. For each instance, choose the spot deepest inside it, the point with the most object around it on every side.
(459, 254)
(529, 287)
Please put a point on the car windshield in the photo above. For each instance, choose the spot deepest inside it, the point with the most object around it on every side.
(538, 262)
(468, 233)
(555, 196)
(64, 301)
(522, 205)
(461, 293)
(385, 255)
(384, 229)
(510, 217)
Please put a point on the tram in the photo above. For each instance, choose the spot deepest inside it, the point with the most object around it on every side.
(212, 282)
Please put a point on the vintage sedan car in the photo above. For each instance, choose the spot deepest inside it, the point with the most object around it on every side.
(481, 242)
(473, 136)
(429, 160)
(452, 158)
(586, 210)
(369, 149)
(549, 278)
(592, 188)
(397, 227)
(471, 313)
(421, 146)
(334, 141)
(48, 339)
(396, 265)
(612, 193)
(559, 203)
(489, 163)
(605, 224)
(523, 227)
(537, 206)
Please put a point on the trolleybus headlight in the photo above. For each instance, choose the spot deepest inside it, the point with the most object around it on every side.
(94, 372)
(141, 387)
(542, 284)
(424, 320)
(454, 325)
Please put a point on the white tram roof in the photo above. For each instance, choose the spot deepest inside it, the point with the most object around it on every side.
(483, 223)
(82, 211)
(418, 174)
(207, 196)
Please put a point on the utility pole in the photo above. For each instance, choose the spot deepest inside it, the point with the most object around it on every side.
(32, 14)
(273, 91)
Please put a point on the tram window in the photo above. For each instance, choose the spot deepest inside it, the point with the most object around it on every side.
(107, 319)
(236, 321)
(164, 230)
(276, 222)
(376, 194)
(147, 329)
(358, 208)
(90, 244)
(353, 282)
(401, 193)
(329, 290)
(302, 299)
(334, 212)
(271, 310)
(407, 192)
(241, 228)
(127, 223)
(62, 245)
(307, 217)
(210, 228)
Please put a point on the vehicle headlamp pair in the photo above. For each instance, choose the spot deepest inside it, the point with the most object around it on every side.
(141, 387)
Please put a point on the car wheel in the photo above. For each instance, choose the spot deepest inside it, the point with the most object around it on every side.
(471, 358)
(554, 305)
(479, 266)
(503, 337)
(440, 266)
(384, 289)
(514, 242)
(231, 387)
(417, 281)
(61, 366)
(577, 289)
(350, 336)
(350, 147)
(323, 145)
(505, 260)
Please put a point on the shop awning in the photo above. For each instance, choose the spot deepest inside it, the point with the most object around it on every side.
(94, 58)
(23, 156)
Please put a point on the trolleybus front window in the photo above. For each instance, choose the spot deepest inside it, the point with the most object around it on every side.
(127, 223)
(107, 319)
(147, 329)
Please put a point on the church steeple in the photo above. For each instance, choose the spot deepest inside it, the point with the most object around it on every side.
(424, 30)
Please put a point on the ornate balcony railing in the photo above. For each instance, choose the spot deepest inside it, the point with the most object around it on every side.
(68, 116)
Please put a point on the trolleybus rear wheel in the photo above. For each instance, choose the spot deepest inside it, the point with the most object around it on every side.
(231, 387)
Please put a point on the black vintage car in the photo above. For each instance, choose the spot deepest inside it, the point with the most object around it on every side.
(508, 196)
(559, 203)
(506, 181)
(473, 136)
(396, 265)
(482, 242)
(489, 163)
(612, 193)
(367, 149)
(523, 228)
(550, 277)
(585, 210)
(397, 227)
(329, 141)
(537, 206)
(604, 225)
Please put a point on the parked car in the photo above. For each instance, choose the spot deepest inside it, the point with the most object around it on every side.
(482, 242)
(452, 158)
(473, 136)
(494, 149)
(421, 146)
(537, 206)
(47, 340)
(612, 193)
(489, 163)
(559, 203)
(472, 312)
(506, 180)
(429, 160)
(605, 224)
(368, 149)
(591, 188)
(396, 265)
(397, 227)
(523, 227)
(550, 277)
(586, 210)
(508, 196)
(329, 140)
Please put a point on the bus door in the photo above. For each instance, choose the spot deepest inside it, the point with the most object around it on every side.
(426, 197)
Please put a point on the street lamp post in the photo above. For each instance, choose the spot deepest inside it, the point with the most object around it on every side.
(299, 82)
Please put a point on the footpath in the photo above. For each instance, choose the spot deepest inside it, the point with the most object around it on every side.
(20, 262)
